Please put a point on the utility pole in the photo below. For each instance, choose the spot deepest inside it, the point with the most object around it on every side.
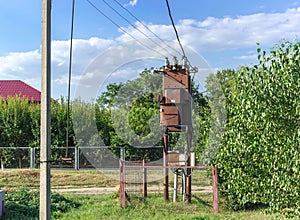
(45, 112)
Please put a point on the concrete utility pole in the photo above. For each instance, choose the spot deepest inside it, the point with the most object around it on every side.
(45, 112)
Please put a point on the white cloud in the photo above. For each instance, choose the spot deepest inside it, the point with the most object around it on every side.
(209, 35)
(20, 63)
(26, 66)
(228, 33)
(131, 3)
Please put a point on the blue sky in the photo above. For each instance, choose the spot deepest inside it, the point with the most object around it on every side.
(224, 33)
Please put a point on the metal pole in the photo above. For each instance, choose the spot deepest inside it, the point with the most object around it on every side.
(144, 180)
(215, 189)
(122, 178)
(165, 163)
(188, 170)
(76, 161)
(183, 185)
(45, 112)
(32, 158)
(175, 185)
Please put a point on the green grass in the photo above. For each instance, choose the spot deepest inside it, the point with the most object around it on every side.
(154, 207)
(11, 179)
(108, 206)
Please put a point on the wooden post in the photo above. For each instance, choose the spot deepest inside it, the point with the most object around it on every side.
(144, 180)
(45, 112)
(165, 163)
(215, 189)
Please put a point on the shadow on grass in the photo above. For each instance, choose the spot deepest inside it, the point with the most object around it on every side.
(199, 200)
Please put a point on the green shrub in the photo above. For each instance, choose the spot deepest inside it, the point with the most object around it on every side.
(259, 159)
(24, 204)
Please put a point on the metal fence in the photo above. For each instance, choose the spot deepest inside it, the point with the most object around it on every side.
(28, 157)
(138, 178)
(79, 157)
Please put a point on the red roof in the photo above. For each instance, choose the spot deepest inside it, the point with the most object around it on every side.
(19, 88)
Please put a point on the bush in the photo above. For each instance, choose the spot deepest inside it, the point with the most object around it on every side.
(24, 204)
(259, 158)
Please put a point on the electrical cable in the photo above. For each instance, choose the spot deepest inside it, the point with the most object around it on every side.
(194, 69)
(70, 75)
(145, 26)
(174, 27)
(122, 29)
(135, 27)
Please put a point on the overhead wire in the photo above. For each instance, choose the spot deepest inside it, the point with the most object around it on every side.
(69, 76)
(178, 39)
(122, 29)
(145, 26)
(135, 27)
(174, 27)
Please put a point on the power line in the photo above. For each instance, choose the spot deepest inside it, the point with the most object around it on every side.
(145, 26)
(70, 75)
(135, 27)
(194, 69)
(177, 36)
(122, 29)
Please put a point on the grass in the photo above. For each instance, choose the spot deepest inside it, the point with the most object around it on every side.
(108, 206)
(10, 179)
(154, 208)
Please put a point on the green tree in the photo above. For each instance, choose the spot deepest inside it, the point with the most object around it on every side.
(259, 158)
(16, 129)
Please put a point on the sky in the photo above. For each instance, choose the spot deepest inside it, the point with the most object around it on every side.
(223, 33)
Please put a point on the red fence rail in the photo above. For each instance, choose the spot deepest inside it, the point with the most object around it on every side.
(144, 167)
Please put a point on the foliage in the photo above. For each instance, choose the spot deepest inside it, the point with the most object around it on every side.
(20, 127)
(16, 128)
(24, 204)
(127, 116)
(259, 158)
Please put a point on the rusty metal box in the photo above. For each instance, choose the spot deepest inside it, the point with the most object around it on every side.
(169, 120)
(169, 115)
(169, 82)
(176, 159)
(177, 95)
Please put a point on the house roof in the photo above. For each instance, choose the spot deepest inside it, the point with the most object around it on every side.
(12, 88)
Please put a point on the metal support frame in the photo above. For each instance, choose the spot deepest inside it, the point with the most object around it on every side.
(188, 170)
(122, 179)
(165, 164)
(144, 180)
(215, 189)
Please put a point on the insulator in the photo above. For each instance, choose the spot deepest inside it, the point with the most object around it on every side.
(175, 61)
(167, 63)
(184, 62)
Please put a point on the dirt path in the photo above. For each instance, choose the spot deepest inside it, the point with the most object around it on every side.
(107, 190)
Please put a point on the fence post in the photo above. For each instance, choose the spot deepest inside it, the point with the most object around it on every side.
(76, 160)
(144, 180)
(215, 189)
(122, 178)
(32, 157)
